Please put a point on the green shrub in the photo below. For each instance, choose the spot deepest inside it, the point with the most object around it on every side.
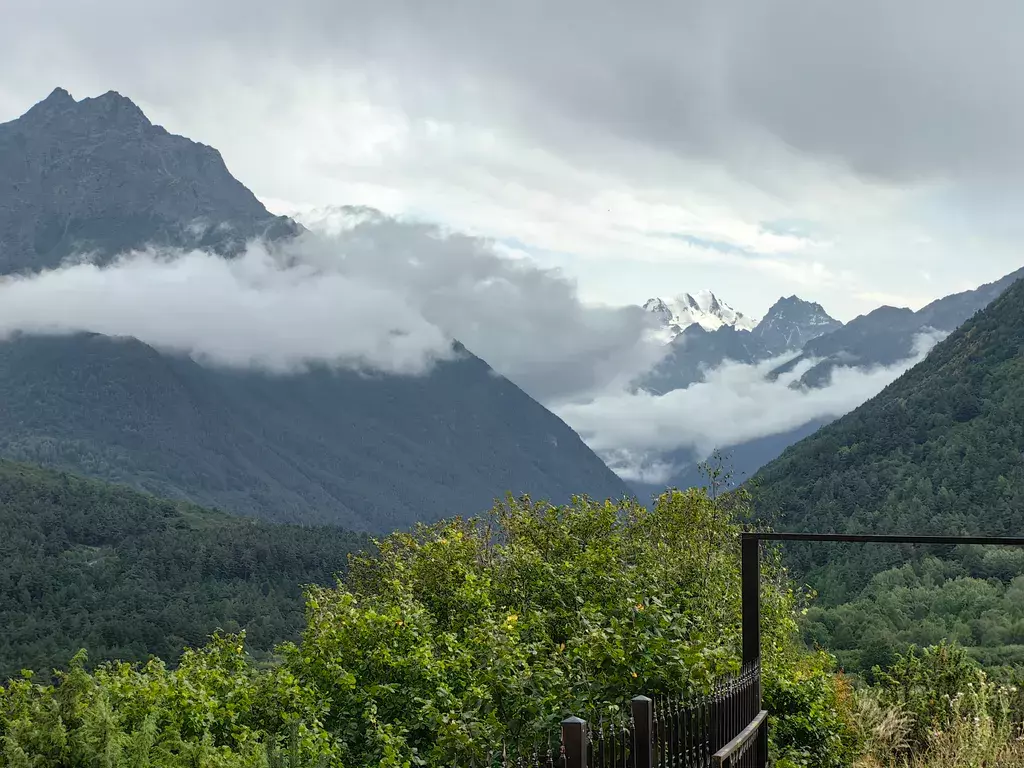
(940, 688)
(813, 716)
(454, 639)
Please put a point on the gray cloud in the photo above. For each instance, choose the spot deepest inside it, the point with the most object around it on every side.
(901, 91)
(374, 293)
(526, 321)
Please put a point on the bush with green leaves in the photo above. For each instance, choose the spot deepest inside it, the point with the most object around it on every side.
(215, 709)
(455, 638)
(813, 720)
(940, 687)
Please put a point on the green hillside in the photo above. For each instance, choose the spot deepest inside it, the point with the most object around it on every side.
(84, 564)
(941, 450)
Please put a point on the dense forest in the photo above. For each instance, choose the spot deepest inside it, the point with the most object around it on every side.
(321, 446)
(941, 450)
(85, 564)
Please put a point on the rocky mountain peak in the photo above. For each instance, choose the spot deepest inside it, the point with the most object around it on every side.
(792, 322)
(97, 176)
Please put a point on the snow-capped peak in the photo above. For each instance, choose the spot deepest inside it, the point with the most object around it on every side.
(702, 308)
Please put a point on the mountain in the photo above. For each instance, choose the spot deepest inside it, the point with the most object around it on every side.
(694, 351)
(940, 450)
(97, 176)
(370, 452)
(885, 336)
(788, 325)
(888, 335)
(84, 564)
(791, 323)
(703, 309)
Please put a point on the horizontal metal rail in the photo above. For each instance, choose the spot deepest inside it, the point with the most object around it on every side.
(727, 756)
(880, 538)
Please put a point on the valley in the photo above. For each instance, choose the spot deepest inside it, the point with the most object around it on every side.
(349, 538)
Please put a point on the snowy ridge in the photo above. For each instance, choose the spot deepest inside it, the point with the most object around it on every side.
(702, 308)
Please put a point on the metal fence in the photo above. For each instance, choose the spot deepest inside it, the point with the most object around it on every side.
(725, 727)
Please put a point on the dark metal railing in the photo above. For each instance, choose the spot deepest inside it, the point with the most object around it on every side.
(725, 727)
(743, 751)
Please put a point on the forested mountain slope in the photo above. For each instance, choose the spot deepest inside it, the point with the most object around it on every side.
(85, 564)
(327, 446)
(940, 450)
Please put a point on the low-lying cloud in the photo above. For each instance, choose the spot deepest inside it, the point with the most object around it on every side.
(249, 311)
(636, 431)
(376, 293)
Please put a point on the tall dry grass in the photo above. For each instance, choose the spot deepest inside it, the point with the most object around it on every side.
(969, 741)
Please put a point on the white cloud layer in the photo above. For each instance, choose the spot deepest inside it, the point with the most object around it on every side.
(372, 292)
(251, 311)
(633, 432)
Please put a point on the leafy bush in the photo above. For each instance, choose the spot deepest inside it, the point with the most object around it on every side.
(453, 639)
(214, 710)
(813, 716)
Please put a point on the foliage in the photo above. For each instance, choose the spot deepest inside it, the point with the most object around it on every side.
(937, 708)
(124, 575)
(459, 636)
(215, 709)
(813, 716)
(976, 601)
(939, 687)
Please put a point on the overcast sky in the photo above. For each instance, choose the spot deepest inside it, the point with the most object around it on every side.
(851, 153)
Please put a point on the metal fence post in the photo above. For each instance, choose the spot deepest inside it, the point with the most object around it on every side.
(574, 742)
(750, 577)
(643, 732)
(750, 587)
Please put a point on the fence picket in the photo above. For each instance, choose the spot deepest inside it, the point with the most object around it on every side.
(724, 727)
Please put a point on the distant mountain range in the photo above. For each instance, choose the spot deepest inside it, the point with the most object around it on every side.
(888, 335)
(369, 452)
(803, 334)
(703, 309)
(695, 348)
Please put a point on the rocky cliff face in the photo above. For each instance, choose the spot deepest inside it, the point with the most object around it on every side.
(96, 176)
(791, 323)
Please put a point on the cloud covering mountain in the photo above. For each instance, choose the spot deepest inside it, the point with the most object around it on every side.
(382, 294)
(635, 432)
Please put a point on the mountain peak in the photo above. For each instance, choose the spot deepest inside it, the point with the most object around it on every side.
(96, 176)
(702, 308)
(57, 102)
(117, 108)
(59, 96)
(792, 322)
(794, 302)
